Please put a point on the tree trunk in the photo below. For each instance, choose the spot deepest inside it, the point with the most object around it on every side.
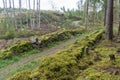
(119, 28)
(119, 20)
(109, 20)
(39, 15)
(27, 15)
(20, 6)
(86, 13)
(5, 13)
(11, 12)
(33, 20)
(105, 15)
(14, 19)
(30, 14)
(94, 13)
(104, 11)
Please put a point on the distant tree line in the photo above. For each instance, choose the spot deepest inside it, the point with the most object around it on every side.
(13, 15)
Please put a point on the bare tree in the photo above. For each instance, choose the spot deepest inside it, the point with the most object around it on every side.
(38, 14)
(30, 14)
(5, 13)
(86, 12)
(94, 11)
(119, 20)
(33, 19)
(11, 12)
(14, 19)
(20, 13)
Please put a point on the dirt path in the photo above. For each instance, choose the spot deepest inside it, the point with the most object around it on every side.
(46, 52)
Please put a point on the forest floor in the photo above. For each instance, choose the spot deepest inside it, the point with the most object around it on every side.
(4, 73)
(103, 67)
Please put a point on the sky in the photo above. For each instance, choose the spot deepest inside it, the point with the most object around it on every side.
(46, 4)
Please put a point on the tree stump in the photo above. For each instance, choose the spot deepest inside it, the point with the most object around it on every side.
(112, 57)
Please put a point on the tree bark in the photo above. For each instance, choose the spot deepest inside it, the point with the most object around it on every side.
(105, 15)
(119, 20)
(94, 13)
(20, 6)
(27, 15)
(14, 19)
(38, 14)
(86, 13)
(33, 20)
(30, 14)
(5, 13)
(11, 12)
(109, 20)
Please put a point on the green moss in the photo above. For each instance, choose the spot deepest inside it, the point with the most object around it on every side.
(104, 69)
(21, 47)
(66, 64)
(93, 74)
(25, 46)
(58, 36)
(16, 49)
(19, 76)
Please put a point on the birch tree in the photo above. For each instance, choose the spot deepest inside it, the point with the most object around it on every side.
(38, 14)
(86, 13)
(27, 15)
(29, 4)
(5, 13)
(11, 12)
(94, 4)
(14, 19)
(33, 20)
(119, 20)
(20, 13)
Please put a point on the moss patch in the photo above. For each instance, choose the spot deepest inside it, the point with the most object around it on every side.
(25, 46)
(103, 69)
(65, 65)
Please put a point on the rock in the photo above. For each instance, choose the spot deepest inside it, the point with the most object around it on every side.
(33, 40)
